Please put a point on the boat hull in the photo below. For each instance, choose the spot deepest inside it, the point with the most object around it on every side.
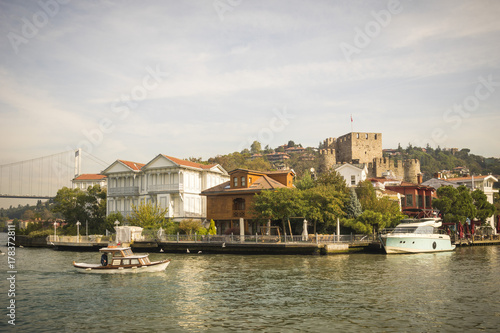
(156, 266)
(413, 244)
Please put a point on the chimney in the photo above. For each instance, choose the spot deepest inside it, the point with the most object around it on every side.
(419, 179)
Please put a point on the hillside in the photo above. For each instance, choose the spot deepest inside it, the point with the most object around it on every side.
(456, 162)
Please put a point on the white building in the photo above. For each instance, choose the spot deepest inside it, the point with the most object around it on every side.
(483, 183)
(165, 181)
(87, 179)
(353, 173)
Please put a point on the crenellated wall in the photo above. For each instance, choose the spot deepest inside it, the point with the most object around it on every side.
(406, 170)
(329, 157)
(359, 148)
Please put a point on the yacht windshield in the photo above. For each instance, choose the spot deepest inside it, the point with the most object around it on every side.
(404, 230)
(427, 229)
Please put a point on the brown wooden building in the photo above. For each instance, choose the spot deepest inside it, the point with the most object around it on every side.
(232, 200)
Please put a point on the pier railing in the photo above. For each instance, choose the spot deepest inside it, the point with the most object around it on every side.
(263, 238)
(91, 239)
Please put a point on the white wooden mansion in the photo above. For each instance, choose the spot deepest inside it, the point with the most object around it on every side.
(166, 181)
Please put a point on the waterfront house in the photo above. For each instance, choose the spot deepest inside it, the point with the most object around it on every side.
(416, 198)
(165, 181)
(232, 200)
(86, 180)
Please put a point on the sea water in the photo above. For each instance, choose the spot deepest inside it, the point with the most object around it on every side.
(444, 292)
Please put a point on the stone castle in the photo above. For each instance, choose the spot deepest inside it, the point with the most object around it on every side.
(366, 148)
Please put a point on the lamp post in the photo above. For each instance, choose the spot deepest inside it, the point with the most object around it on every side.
(116, 229)
(78, 224)
(55, 234)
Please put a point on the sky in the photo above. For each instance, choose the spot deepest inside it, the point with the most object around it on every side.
(133, 79)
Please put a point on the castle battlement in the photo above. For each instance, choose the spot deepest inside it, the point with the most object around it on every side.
(361, 147)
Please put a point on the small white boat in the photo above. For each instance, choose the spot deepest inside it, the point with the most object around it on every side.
(123, 260)
(416, 236)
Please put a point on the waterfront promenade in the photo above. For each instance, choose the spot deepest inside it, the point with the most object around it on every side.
(230, 244)
(236, 244)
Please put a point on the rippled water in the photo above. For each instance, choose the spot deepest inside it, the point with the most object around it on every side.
(456, 291)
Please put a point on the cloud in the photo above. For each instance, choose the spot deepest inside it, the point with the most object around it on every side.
(226, 76)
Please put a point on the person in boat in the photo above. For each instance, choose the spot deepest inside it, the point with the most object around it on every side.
(104, 259)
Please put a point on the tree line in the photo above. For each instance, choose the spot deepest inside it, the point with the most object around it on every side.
(325, 199)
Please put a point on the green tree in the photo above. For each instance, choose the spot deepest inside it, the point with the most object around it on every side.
(148, 216)
(280, 204)
(322, 204)
(484, 209)
(354, 206)
(212, 230)
(190, 227)
(305, 182)
(256, 147)
(334, 179)
(366, 195)
(65, 203)
(93, 202)
(368, 222)
(84, 206)
(111, 219)
(456, 204)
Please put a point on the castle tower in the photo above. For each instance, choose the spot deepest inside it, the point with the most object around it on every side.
(329, 157)
(357, 147)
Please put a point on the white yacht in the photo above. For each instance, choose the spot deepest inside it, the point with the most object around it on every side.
(416, 236)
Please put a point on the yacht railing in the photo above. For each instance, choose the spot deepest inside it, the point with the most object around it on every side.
(412, 230)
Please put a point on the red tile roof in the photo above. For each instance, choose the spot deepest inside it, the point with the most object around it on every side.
(133, 165)
(189, 163)
(90, 176)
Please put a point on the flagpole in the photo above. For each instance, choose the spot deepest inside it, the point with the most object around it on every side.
(352, 131)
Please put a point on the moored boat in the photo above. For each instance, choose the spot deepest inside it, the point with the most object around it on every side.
(416, 236)
(122, 260)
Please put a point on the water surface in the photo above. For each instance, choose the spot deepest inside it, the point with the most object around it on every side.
(445, 292)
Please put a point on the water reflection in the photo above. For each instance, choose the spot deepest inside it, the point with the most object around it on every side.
(377, 293)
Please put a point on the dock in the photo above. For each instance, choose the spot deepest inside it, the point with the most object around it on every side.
(232, 244)
(228, 244)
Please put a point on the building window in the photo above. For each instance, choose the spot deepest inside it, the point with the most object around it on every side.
(427, 201)
(243, 181)
(420, 200)
(409, 200)
(249, 180)
(235, 181)
(353, 180)
(239, 204)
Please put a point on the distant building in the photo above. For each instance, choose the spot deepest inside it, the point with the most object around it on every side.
(359, 148)
(277, 157)
(232, 200)
(89, 179)
(165, 181)
(294, 150)
(353, 174)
